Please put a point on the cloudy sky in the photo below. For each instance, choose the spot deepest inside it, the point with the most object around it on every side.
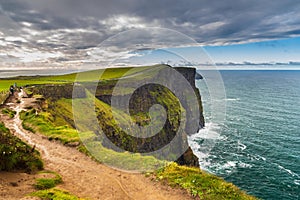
(91, 33)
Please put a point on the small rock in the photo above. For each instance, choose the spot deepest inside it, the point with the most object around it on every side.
(14, 184)
(73, 144)
(198, 76)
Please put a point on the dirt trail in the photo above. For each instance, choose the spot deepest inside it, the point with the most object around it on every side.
(81, 175)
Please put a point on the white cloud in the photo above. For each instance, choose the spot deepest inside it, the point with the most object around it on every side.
(15, 39)
(3, 43)
(32, 55)
(125, 22)
(28, 24)
(212, 26)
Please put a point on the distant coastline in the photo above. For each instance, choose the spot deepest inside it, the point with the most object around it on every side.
(46, 72)
(30, 72)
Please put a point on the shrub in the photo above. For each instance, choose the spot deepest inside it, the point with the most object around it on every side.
(54, 194)
(9, 112)
(15, 154)
(47, 183)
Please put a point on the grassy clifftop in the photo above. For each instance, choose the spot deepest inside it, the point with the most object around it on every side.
(141, 100)
(54, 118)
(200, 183)
(107, 74)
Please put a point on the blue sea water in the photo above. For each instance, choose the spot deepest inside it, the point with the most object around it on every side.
(258, 145)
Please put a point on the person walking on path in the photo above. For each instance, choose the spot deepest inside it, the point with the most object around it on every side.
(11, 90)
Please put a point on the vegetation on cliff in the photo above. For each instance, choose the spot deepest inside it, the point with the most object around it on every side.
(41, 123)
(15, 154)
(56, 123)
(200, 183)
(55, 117)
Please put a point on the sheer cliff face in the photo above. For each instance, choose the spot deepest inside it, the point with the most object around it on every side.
(141, 100)
(190, 74)
(105, 90)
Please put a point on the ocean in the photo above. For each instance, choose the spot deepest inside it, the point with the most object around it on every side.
(257, 146)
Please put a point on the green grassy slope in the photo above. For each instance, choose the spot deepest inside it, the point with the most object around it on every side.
(107, 74)
(56, 122)
(200, 183)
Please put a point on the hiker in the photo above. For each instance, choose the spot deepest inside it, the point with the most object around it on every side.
(11, 89)
(23, 93)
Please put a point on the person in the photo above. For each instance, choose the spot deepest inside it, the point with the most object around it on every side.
(23, 93)
(11, 89)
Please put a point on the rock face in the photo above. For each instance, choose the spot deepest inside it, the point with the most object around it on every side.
(191, 75)
(188, 158)
(141, 100)
(56, 91)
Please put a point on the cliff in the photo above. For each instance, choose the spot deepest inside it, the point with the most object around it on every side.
(141, 100)
(51, 115)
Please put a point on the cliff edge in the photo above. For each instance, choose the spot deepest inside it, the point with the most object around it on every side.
(140, 101)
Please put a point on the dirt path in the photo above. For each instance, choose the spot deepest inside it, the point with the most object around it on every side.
(83, 176)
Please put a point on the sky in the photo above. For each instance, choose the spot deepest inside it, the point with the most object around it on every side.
(76, 34)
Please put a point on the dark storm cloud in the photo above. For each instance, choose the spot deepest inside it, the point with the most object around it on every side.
(76, 26)
(237, 17)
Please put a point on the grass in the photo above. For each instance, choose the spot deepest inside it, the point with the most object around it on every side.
(54, 194)
(93, 142)
(107, 74)
(199, 183)
(122, 160)
(42, 123)
(47, 187)
(53, 123)
(6, 83)
(9, 112)
(47, 183)
(3, 96)
(15, 154)
(62, 112)
(56, 122)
